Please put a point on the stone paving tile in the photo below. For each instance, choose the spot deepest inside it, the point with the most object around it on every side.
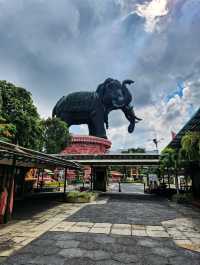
(121, 232)
(140, 233)
(100, 230)
(102, 225)
(67, 243)
(121, 226)
(118, 211)
(79, 229)
(20, 233)
(85, 224)
(121, 229)
(155, 228)
(97, 249)
(153, 233)
(138, 227)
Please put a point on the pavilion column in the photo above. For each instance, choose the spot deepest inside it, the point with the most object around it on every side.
(91, 178)
(38, 178)
(10, 191)
(65, 184)
(3, 193)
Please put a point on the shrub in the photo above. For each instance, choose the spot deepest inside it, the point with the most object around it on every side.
(182, 198)
(77, 197)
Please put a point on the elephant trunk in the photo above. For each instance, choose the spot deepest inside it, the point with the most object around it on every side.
(131, 117)
(127, 94)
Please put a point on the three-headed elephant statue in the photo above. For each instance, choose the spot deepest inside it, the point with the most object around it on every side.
(92, 108)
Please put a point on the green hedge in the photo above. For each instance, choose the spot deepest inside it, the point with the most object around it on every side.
(77, 197)
(54, 184)
(182, 198)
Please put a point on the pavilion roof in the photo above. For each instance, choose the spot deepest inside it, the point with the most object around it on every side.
(192, 125)
(25, 157)
(130, 159)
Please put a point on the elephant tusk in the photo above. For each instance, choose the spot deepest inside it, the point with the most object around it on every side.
(128, 82)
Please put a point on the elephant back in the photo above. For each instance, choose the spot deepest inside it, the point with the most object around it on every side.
(77, 102)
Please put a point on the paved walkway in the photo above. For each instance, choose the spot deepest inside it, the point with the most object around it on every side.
(135, 188)
(114, 231)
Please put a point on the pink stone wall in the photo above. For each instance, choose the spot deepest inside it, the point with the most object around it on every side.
(87, 145)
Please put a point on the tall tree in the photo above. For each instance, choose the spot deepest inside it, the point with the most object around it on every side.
(55, 135)
(17, 109)
(190, 146)
(170, 161)
(7, 131)
(190, 150)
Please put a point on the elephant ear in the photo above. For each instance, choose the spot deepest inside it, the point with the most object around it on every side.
(102, 87)
(126, 92)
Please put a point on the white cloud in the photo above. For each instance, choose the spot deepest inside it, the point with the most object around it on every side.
(152, 11)
(158, 122)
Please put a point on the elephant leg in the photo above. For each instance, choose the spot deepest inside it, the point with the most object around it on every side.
(91, 129)
(98, 123)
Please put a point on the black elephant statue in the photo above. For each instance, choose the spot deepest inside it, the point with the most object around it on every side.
(92, 108)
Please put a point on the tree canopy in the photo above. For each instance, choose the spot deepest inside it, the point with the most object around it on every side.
(21, 124)
(55, 135)
(7, 131)
(168, 157)
(190, 146)
(17, 109)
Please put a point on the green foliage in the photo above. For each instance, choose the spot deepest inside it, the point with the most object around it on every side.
(190, 146)
(7, 131)
(169, 158)
(18, 110)
(1, 102)
(55, 135)
(134, 150)
(76, 196)
(182, 198)
(54, 184)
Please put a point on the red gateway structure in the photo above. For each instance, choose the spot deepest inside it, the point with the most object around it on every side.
(82, 144)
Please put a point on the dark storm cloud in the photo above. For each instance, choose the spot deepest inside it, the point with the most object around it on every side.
(57, 47)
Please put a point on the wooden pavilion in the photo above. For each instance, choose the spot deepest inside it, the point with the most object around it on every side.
(15, 161)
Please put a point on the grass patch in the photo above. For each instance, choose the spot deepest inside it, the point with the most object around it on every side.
(80, 197)
(54, 184)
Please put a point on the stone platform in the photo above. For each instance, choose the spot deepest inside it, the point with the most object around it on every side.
(82, 144)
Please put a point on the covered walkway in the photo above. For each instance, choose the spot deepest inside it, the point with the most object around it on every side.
(15, 161)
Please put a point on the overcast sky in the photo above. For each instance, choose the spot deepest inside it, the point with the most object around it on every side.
(55, 47)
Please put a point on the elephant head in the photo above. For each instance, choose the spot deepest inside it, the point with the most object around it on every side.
(115, 95)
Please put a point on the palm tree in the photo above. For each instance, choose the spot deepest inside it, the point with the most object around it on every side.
(190, 146)
(170, 160)
(190, 151)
